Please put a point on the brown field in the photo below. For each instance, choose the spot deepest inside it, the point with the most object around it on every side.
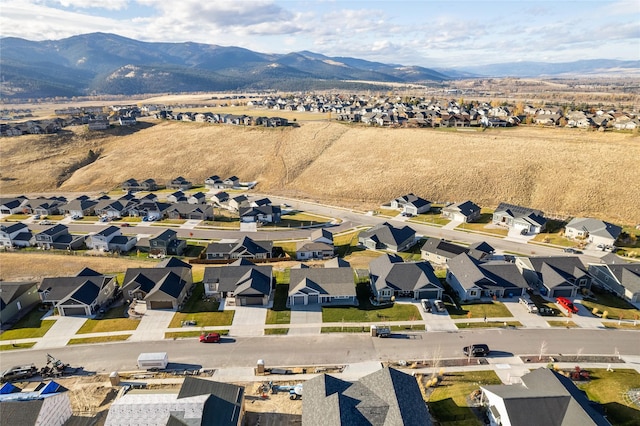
(564, 172)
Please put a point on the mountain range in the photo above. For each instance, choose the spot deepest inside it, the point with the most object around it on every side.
(101, 63)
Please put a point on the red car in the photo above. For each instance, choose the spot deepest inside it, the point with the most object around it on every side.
(210, 338)
(566, 303)
(125, 224)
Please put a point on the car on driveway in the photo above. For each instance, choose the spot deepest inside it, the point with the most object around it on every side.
(439, 304)
(210, 338)
(426, 305)
(476, 350)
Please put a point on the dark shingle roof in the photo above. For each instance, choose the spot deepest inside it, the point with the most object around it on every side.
(388, 235)
(230, 277)
(223, 407)
(10, 291)
(391, 271)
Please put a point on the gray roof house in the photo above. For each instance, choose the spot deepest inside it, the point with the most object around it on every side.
(262, 214)
(58, 237)
(113, 209)
(79, 207)
(593, 231)
(163, 287)
(439, 251)
(16, 234)
(190, 211)
(83, 294)
(621, 278)
(411, 203)
(306, 250)
(242, 283)
(387, 237)
(17, 299)
(309, 286)
(244, 248)
(545, 397)
(383, 398)
(322, 235)
(101, 239)
(518, 218)
(13, 205)
(473, 279)
(198, 402)
(466, 211)
(392, 277)
(559, 276)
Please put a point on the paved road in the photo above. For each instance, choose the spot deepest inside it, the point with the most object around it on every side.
(334, 348)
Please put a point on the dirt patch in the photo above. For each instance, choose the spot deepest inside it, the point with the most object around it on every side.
(572, 358)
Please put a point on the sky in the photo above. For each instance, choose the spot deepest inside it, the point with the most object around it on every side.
(444, 33)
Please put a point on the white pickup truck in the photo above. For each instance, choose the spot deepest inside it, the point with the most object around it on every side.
(531, 307)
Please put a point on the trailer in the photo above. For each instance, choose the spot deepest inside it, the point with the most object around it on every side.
(153, 361)
(380, 331)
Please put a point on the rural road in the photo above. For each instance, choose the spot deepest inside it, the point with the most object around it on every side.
(338, 349)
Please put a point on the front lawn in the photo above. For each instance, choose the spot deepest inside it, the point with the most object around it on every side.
(99, 339)
(275, 331)
(567, 324)
(279, 314)
(478, 310)
(193, 333)
(488, 324)
(554, 238)
(204, 312)
(16, 346)
(366, 312)
(432, 218)
(113, 320)
(615, 307)
(29, 326)
(448, 401)
(610, 388)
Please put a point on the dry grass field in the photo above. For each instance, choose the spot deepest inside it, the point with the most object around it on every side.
(560, 171)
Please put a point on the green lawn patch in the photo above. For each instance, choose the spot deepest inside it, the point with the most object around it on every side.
(193, 333)
(288, 247)
(99, 339)
(29, 326)
(610, 388)
(348, 238)
(344, 330)
(366, 312)
(554, 238)
(448, 401)
(113, 320)
(488, 324)
(279, 314)
(615, 307)
(479, 310)
(204, 312)
(568, 324)
(16, 346)
(275, 331)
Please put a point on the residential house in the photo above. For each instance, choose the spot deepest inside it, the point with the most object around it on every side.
(560, 276)
(473, 279)
(190, 211)
(177, 197)
(384, 397)
(231, 182)
(306, 250)
(260, 202)
(594, 231)
(241, 283)
(164, 287)
(15, 235)
(100, 240)
(261, 214)
(45, 206)
(13, 205)
(235, 203)
(310, 286)
(322, 235)
(220, 198)
(387, 237)
(544, 397)
(179, 183)
(198, 402)
(82, 294)
(245, 248)
(79, 208)
(127, 121)
(197, 198)
(213, 182)
(411, 204)
(148, 185)
(112, 209)
(17, 299)
(520, 219)
(439, 251)
(48, 404)
(166, 243)
(151, 210)
(391, 277)
(466, 211)
(620, 278)
(98, 124)
(58, 237)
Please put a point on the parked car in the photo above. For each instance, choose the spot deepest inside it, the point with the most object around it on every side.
(439, 304)
(46, 222)
(476, 350)
(36, 217)
(531, 307)
(407, 214)
(426, 305)
(210, 338)
(567, 304)
(125, 224)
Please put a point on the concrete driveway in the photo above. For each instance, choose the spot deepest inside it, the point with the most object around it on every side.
(153, 325)
(248, 321)
(309, 314)
(61, 332)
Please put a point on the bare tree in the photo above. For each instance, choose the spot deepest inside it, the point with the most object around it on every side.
(543, 349)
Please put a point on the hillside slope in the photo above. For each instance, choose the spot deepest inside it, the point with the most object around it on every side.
(561, 171)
